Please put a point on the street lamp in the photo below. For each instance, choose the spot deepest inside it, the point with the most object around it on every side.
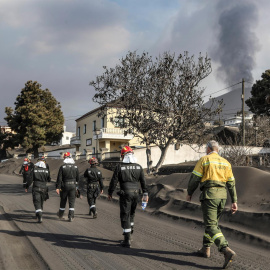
(97, 132)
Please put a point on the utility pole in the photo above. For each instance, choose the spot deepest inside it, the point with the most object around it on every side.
(243, 112)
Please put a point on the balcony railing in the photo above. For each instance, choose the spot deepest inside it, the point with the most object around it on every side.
(113, 133)
(76, 140)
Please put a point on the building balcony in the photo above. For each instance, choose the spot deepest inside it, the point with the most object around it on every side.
(76, 140)
(113, 133)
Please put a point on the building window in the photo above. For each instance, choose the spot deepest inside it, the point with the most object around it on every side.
(79, 131)
(94, 125)
(102, 122)
(89, 142)
(84, 129)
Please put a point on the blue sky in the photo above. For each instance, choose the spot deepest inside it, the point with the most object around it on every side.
(63, 44)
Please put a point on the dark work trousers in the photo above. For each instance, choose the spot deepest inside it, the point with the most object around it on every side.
(26, 178)
(38, 198)
(68, 192)
(128, 203)
(92, 194)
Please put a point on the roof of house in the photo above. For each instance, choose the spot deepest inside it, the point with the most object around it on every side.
(109, 104)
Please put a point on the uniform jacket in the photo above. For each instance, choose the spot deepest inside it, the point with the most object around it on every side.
(67, 173)
(129, 175)
(214, 174)
(94, 175)
(27, 169)
(40, 177)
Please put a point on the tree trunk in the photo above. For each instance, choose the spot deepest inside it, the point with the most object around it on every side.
(35, 149)
(162, 156)
(149, 158)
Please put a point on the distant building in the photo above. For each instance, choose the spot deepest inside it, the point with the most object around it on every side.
(236, 120)
(6, 129)
(66, 137)
(95, 134)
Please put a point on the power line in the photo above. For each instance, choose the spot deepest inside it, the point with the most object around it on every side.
(223, 89)
(73, 116)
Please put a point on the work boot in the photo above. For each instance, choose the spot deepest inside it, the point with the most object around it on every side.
(90, 211)
(60, 214)
(229, 255)
(39, 216)
(94, 212)
(126, 243)
(204, 251)
(71, 215)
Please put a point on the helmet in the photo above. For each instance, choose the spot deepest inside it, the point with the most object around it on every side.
(126, 149)
(93, 161)
(67, 154)
(41, 159)
(26, 159)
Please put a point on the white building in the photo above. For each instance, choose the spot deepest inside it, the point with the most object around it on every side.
(236, 120)
(66, 137)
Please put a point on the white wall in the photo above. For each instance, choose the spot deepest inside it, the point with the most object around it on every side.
(185, 153)
(59, 153)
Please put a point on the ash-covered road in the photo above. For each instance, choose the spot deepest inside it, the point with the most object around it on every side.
(87, 243)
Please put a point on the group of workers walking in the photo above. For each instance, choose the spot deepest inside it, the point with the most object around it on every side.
(212, 172)
(66, 184)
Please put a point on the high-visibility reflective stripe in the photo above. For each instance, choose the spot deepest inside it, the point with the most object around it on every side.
(72, 209)
(197, 173)
(38, 210)
(131, 223)
(214, 237)
(231, 179)
(208, 236)
(62, 209)
(126, 230)
(92, 206)
(215, 162)
(217, 236)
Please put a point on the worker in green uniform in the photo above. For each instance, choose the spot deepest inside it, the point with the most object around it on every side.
(214, 174)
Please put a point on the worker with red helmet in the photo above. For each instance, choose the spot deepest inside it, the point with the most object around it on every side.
(41, 175)
(66, 185)
(94, 185)
(129, 174)
(42, 158)
(26, 171)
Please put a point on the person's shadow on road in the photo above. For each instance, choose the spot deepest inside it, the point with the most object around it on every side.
(111, 246)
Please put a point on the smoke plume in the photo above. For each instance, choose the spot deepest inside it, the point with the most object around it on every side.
(237, 43)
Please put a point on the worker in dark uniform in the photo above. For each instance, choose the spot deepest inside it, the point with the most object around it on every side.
(94, 185)
(43, 159)
(26, 171)
(129, 174)
(66, 185)
(214, 175)
(40, 177)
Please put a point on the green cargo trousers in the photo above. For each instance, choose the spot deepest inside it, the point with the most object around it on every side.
(212, 209)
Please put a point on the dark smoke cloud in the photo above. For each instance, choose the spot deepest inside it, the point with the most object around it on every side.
(237, 43)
